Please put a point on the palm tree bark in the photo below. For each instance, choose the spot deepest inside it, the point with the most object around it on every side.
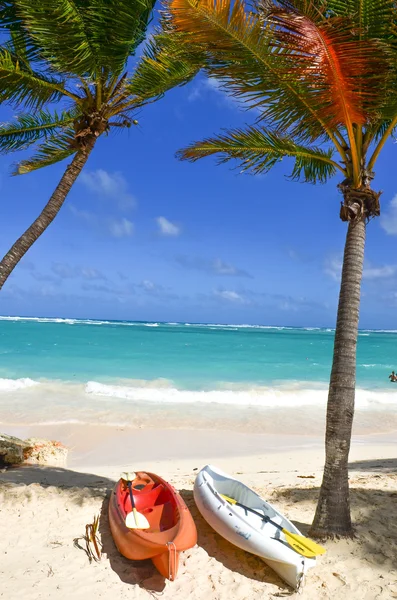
(332, 516)
(48, 214)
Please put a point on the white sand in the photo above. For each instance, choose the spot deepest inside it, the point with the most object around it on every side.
(43, 509)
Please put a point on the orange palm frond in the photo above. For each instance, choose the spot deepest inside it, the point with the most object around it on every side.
(343, 70)
(240, 53)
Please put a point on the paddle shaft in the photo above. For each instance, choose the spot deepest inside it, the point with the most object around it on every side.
(129, 483)
(264, 517)
(299, 543)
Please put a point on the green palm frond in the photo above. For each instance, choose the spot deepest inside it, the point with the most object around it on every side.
(21, 85)
(258, 150)
(117, 28)
(19, 51)
(59, 29)
(53, 150)
(86, 37)
(164, 65)
(28, 128)
(373, 18)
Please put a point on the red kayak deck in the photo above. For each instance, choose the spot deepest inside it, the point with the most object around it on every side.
(172, 528)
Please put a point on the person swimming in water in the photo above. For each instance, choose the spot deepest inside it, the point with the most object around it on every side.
(393, 376)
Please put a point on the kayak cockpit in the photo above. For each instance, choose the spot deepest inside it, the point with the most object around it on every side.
(235, 489)
(155, 501)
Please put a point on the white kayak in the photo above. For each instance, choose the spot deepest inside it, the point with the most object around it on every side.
(247, 530)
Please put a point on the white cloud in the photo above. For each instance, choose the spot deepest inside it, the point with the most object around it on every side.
(147, 285)
(115, 227)
(388, 218)
(155, 290)
(44, 277)
(95, 287)
(167, 228)
(214, 84)
(66, 271)
(90, 273)
(63, 270)
(288, 306)
(120, 227)
(223, 268)
(378, 272)
(333, 268)
(110, 185)
(214, 266)
(211, 85)
(230, 295)
(194, 94)
(83, 215)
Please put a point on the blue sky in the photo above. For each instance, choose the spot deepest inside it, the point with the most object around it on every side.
(143, 236)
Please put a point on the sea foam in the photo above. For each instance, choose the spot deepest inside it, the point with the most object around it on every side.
(10, 385)
(266, 397)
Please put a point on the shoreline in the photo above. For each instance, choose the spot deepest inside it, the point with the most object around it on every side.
(99, 445)
(107, 416)
(46, 508)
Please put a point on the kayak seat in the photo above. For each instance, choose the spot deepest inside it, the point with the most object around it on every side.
(143, 499)
(257, 520)
(160, 517)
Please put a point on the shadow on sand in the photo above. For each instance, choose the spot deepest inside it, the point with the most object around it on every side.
(232, 558)
(380, 465)
(133, 572)
(142, 573)
(372, 514)
(372, 510)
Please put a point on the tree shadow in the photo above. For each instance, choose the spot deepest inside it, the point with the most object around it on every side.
(230, 556)
(88, 485)
(375, 539)
(384, 465)
(59, 477)
(133, 572)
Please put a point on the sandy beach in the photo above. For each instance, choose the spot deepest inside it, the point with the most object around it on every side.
(43, 509)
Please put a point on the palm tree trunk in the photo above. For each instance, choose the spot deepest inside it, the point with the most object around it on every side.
(48, 214)
(333, 509)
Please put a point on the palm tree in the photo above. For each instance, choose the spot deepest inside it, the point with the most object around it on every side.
(74, 53)
(322, 76)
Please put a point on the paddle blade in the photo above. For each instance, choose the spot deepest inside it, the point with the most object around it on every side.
(303, 545)
(230, 500)
(136, 520)
(128, 475)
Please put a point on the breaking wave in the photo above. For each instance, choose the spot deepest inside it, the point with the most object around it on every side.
(11, 385)
(267, 397)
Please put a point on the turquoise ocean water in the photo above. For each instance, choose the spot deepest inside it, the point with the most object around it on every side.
(71, 363)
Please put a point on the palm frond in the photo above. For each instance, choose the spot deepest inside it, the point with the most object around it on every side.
(345, 73)
(117, 28)
(28, 128)
(53, 150)
(21, 85)
(258, 150)
(372, 18)
(86, 37)
(59, 29)
(165, 64)
(378, 129)
(241, 54)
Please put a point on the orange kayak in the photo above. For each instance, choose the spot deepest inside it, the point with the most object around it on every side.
(172, 528)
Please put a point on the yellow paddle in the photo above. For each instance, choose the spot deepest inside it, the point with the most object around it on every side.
(134, 519)
(299, 543)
